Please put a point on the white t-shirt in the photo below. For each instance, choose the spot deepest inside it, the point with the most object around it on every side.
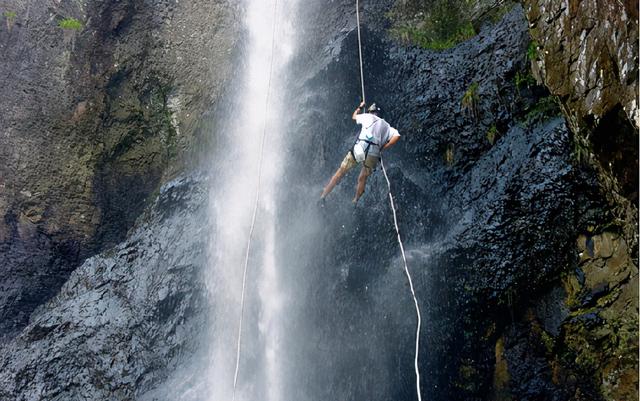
(368, 131)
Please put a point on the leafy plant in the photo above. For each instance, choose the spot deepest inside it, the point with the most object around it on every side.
(492, 134)
(70, 23)
(470, 100)
(532, 51)
(581, 149)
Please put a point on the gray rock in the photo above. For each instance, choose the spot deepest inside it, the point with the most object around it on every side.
(124, 318)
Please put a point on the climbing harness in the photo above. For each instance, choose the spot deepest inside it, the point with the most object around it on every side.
(395, 223)
(257, 201)
(361, 147)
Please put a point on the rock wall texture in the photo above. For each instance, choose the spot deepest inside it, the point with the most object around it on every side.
(520, 301)
(521, 242)
(92, 122)
(124, 318)
(586, 52)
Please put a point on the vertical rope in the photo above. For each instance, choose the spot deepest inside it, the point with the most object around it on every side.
(406, 270)
(395, 222)
(257, 201)
(360, 50)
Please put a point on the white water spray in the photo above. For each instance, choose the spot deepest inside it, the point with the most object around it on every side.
(233, 198)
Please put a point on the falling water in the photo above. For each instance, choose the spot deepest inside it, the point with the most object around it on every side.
(237, 164)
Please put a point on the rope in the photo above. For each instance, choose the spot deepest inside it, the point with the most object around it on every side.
(406, 270)
(360, 49)
(255, 207)
(395, 221)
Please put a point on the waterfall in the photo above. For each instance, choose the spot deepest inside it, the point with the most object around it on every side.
(232, 201)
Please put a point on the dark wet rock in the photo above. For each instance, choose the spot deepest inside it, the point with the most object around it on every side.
(124, 318)
(92, 122)
(485, 229)
(490, 229)
(527, 290)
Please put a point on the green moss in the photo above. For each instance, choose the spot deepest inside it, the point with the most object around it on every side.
(10, 15)
(546, 107)
(547, 341)
(434, 24)
(492, 134)
(523, 79)
(470, 100)
(532, 51)
(449, 154)
(581, 149)
(70, 24)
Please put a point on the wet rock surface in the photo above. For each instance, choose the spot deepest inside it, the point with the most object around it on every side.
(93, 121)
(125, 318)
(489, 223)
(527, 291)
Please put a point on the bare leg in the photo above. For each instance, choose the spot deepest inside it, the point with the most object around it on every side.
(333, 182)
(362, 182)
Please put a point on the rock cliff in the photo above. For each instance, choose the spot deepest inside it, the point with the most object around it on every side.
(94, 118)
(517, 209)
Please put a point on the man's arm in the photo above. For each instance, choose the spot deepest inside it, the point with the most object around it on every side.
(355, 112)
(391, 142)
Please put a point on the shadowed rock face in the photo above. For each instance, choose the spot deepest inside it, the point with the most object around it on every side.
(586, 53)
(527, 291)
(486, 227)
(124, 318)
(491, 231)
(91, 122)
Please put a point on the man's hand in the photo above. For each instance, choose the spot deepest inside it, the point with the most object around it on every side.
(391, 142)
(355, 112)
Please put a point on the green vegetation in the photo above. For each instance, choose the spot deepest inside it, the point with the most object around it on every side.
(11, 17)
(427, 40)
(470, 100)
(431, 24)
(532, 51)
(442, 24)
(70, 24)
(581, 148)
(492, 134)
(524, 79)
(546, 107)
(449, 154)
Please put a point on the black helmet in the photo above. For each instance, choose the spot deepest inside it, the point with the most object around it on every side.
(374, 109)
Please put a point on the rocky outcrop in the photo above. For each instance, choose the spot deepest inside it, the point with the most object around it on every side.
(125, 318)
(93, 121)
(526, 275)
(581, 337)
(586, 53)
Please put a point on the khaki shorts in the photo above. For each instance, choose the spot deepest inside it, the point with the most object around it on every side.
(349, 162)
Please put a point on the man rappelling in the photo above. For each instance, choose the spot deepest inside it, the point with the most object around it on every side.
(375, 136)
